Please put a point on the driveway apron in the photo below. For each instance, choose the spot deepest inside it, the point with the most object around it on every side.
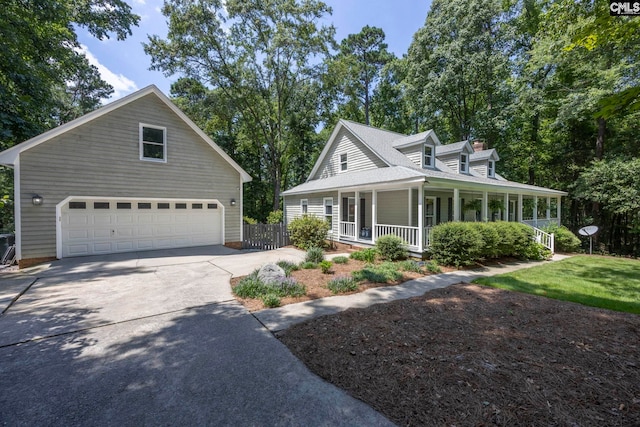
(154, 341)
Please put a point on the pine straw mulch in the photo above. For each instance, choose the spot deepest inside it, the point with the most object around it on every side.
(470, 355)
(316, 283)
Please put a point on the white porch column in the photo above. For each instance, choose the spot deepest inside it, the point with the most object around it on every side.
(357, 216)
(374, 214)
(558, 208)
(535, 211)
(485, 207)
(420, 218)
(506, 207)
(456, 204)
(339, 214)
(519, 208)
(548, 208)
(409, 210)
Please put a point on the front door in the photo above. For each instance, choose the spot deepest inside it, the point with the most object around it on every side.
(429, 211)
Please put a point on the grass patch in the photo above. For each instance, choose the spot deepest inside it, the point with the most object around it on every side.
(410, 265)
(605, 282)
(342, 284)
(308, 265)
(382, 273)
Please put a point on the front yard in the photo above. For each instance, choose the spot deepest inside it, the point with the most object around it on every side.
(476, 355)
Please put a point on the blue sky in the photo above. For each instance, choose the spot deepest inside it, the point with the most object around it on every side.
(124, 65)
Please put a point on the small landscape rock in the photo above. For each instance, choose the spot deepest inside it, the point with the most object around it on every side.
(271, 273)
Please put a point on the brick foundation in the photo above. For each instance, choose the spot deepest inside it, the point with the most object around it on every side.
(234, 245)
(30, 262)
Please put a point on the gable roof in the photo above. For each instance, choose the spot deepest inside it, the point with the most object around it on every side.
(9, 157)
(399, 168)
(484, 155)
(452, 148)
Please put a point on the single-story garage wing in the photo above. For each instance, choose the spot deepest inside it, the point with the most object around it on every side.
(136, 174)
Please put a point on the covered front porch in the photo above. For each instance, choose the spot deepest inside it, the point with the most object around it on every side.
(411, 213)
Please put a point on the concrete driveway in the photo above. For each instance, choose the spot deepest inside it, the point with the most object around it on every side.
(153, 338)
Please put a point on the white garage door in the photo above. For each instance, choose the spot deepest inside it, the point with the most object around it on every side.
(90, 227)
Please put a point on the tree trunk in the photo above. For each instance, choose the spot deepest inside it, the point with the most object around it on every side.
(602, 128)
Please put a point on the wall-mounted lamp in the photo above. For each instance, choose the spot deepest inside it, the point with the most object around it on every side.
(233, 202)
(37, 200)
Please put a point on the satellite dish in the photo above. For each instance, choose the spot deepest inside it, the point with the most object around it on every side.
(589, 230)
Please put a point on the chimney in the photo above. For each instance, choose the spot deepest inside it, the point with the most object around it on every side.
(478, 145)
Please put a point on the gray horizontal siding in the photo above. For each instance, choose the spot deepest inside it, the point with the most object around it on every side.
(101, 158)
(452, 161)
(414, 153)
(315, 207)
(359, 157)
(480, 167)
(393, 207)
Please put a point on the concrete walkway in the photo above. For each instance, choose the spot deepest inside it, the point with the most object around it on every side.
(277, 319)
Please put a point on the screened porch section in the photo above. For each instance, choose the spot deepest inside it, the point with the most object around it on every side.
(412, 213)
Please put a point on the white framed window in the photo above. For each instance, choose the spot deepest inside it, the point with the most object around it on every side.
(343, 162)
(464, 163)
(304, 206)
(153, 143)
(328, 210)
(491, 169)
(427, 158)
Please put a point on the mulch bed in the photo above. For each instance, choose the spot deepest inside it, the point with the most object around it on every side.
(470, 355)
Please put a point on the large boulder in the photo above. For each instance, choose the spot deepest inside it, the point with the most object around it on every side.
(270, 273)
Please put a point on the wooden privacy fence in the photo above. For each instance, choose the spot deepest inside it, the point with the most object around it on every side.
(265, 236)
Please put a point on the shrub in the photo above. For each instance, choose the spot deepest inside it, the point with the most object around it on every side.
(537, 252)
(456, 243)
(433, 267)
(391, 247)
(410, 265)
(308, 231)
(490, 238)
(275, 217)
(307, 265)
(342, 284)
(341, 259)
(366, 255)
(271, 300)
(515, 239)
(315, 255)
(382, 273)
(564, 240)
(287, 266)
(325, 266)
(249, 220)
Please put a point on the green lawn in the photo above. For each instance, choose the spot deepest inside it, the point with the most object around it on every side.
(605, 282)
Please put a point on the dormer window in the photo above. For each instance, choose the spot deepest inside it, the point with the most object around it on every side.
(427, 161)
(343, 162)
(464, 163)
(491, 169)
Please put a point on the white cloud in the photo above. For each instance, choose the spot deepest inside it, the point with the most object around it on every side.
(121, 84)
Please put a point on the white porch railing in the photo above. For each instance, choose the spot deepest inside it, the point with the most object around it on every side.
(408, 234)
(546, 239)
(540, 222)
(348, 229)
(426, 236)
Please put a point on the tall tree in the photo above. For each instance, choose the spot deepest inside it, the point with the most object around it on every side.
(357, 67)
(40, 54)
(457, 68)
(262, 55)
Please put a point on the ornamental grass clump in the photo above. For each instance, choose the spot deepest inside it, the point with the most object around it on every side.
(315, 255)
(342, 284)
